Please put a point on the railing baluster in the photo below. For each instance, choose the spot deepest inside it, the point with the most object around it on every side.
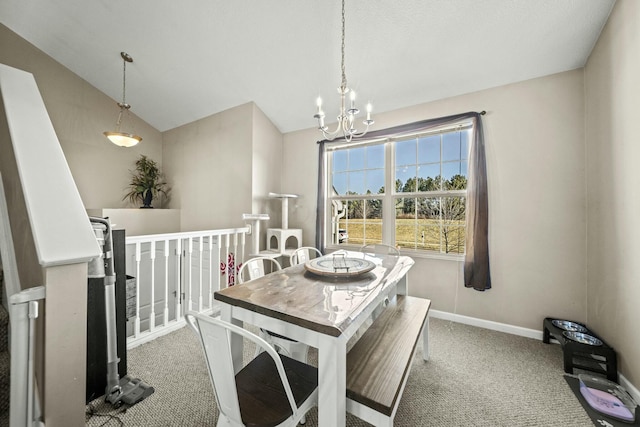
(211, 272)
(217, 262)
(243, 236)
(152, 314)
(136, 326)
(235, 254)
(228, 258)
(189, 270)
(179, 279)
(200, 276)
(238, 258)
(166, 282)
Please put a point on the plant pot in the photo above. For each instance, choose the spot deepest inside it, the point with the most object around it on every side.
(146, 202)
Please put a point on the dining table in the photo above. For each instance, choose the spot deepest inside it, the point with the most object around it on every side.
(325, 303)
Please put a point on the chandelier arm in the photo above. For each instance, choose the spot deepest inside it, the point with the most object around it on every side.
(361, 134)
(331, 135)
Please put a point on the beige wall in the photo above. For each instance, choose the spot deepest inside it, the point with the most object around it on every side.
(223, 166)
(613, 231)
(266, 172)
(534, 134)
(208, 163)
(80, 113)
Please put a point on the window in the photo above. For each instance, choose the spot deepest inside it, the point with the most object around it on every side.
(426, 207)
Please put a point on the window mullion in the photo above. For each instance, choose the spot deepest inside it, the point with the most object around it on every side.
(388, 202)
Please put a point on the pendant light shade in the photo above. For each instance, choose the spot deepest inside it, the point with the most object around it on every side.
(123, 139)
(117, 136)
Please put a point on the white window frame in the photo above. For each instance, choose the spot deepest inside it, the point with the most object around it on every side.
(389, 197)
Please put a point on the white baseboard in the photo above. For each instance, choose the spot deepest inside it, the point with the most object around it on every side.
(487, 324)
(144, 337)
(517, 330)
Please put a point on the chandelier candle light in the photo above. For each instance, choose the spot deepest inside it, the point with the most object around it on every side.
(123, 139)
(346, 118)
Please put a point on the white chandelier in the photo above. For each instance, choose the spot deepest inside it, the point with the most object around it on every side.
(119, 138)
(346, 118)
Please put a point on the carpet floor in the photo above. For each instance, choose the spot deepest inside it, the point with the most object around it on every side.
(475, 377)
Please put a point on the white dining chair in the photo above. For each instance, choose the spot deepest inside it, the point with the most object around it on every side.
(303, 254)
(255, 268)
(252, 396)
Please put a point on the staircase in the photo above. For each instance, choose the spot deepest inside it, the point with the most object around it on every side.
(4, 359)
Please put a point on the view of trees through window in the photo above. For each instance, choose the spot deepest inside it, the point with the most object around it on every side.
(429, 176)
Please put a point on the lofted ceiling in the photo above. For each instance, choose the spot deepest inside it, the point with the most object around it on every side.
(194, 58)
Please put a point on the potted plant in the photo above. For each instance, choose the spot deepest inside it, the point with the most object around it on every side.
(147, 182)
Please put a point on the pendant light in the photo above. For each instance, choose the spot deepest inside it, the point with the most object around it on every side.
(118, 137)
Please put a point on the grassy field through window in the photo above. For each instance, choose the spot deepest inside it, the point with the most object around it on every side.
(422, 234)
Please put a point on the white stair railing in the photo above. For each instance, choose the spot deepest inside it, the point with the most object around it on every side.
(170, 268)
(23, 309)
(53, 244)
(22, 306)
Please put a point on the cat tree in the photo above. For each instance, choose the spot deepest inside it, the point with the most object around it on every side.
(279, 238)
(280, 241)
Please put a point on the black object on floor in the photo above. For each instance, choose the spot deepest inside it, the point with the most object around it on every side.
(580, 355)
(598, 419)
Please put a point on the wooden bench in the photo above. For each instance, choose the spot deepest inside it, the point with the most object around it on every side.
(378, 364)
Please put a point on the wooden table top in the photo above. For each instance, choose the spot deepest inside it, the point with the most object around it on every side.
(320, 303)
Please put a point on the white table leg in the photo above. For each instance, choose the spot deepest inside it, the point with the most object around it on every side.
(402, 288)
(236, 341)
(332, 381)
(425, 339)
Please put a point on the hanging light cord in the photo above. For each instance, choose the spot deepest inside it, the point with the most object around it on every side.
(124, 81)
(343, 85)
(123, 105)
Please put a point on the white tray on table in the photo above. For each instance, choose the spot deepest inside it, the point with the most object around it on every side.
(339, 266)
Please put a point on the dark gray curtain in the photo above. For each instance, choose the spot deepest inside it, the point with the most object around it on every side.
(477, 274)
(476, 263)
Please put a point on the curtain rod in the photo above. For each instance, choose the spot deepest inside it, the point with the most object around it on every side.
(409, 127)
